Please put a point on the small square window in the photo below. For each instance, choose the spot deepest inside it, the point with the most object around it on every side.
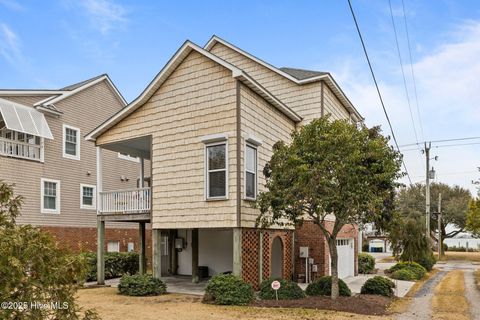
(87, 196)
(113, 246)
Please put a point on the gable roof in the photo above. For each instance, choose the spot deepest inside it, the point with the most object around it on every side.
(75, 88)
(324, 76)
(53, 96)
(169, 68)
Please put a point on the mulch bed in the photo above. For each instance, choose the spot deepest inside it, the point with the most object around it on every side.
(361, 304)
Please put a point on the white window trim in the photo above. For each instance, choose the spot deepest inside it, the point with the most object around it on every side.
(57, 197)
(94, 200)
(116, 242)
(77, 146)
(129, 158)
(253, 146)
(206, 171)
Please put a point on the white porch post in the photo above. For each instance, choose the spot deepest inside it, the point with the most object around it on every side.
(100, 224)
(141, 182)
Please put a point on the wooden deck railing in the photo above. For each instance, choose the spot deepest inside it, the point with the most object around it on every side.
(20, 149)
(125, 201)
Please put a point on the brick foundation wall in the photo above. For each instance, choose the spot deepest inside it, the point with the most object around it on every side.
(251, 252)
(310, 235)
(85, 239)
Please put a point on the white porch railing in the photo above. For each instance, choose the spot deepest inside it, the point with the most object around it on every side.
(125, 201)
(20, 149)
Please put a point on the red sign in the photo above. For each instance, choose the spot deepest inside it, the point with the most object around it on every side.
(275, 285)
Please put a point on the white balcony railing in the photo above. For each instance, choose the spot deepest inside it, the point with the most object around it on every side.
(125, 201)
(18, 149)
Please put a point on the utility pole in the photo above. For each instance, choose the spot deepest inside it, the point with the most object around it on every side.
(439, 227)
(427, 189)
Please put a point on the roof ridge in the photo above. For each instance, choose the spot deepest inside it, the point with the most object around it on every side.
(81, 83)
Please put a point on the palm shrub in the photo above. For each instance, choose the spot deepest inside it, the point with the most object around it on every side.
(378, 285)
(228, 289)
(366, 263)
(323, 287)
(288, 290)
(141, 285)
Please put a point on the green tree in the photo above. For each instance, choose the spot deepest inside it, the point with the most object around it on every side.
(455, 199)
(330, 168)
(34, 271)
(473, 217)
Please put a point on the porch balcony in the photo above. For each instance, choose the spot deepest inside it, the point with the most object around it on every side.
(130, 201)
(20, 149)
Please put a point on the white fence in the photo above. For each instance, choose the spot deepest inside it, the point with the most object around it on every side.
(125, 201)
(19, 149)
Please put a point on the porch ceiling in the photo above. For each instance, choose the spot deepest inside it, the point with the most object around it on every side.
(137, 147)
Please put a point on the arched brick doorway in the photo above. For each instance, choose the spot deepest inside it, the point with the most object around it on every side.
(276, 262)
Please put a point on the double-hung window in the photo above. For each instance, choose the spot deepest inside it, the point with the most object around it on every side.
(216, 161)
(87, 196)
(250, 172)
(71, 142)
(50, 196)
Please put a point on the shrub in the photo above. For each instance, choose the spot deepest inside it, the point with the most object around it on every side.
(366, 263)
(404, 274)
(117, 264)
(378, 285)
(417, 270)
(365, 247)
(323, 287)
(141, 285)
(228, 289)
(426, 260)
(288, 290)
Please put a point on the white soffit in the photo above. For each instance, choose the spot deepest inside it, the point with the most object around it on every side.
(24, 119)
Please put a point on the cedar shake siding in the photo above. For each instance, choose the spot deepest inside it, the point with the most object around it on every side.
(84, 110)
(303, 99)
(197, 99)
(261, 120)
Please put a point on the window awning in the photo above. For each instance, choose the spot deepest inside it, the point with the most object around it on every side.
(24, 119)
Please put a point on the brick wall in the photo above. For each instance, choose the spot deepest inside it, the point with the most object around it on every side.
(251, 251)
(85, 239)
(310, 235)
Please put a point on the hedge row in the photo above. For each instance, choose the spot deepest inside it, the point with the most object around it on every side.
(117, 264)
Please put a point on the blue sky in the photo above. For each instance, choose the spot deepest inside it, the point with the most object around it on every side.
(50, 44)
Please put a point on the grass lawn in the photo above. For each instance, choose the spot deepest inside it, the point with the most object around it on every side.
(111, 305)
(449, 300)
(465, 256)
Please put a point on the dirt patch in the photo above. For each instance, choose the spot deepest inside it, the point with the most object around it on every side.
(361, 304)
(112, 306)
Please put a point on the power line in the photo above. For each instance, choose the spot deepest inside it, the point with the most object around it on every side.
(446, 145)
(439, 141)
(376, 85)
(403, 72)
(411, 69)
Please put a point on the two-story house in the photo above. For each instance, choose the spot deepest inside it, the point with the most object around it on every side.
(207, 124)
(44, 153)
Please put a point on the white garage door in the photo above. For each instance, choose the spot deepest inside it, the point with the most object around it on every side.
(346, 258)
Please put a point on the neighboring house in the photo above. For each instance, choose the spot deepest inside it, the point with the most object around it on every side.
(207, 123)
(44, 153)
